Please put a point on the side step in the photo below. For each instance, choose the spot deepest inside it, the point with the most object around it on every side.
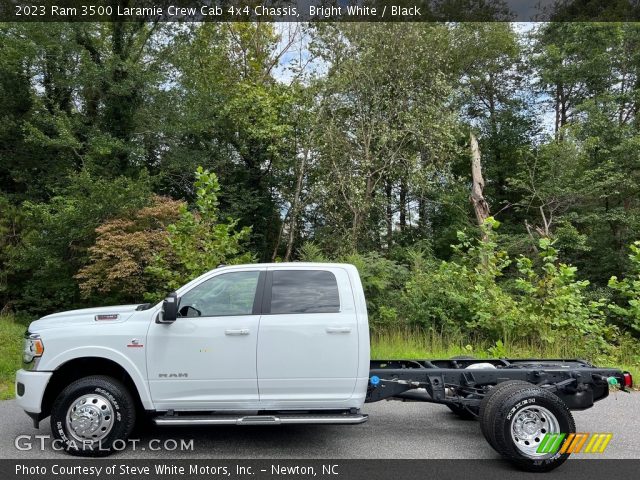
(282, 419)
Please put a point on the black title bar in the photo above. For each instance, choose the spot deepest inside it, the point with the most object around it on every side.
(319, 10)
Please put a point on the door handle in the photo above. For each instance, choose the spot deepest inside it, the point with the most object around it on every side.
(241, 331)
(338, 329)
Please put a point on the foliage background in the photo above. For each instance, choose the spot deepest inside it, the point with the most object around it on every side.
(341, 142)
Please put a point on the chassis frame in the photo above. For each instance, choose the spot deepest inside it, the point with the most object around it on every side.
(578, 383)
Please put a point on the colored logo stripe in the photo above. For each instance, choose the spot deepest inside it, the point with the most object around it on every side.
(573, 443)
(598, 443)
(569, 443)
(551, 443)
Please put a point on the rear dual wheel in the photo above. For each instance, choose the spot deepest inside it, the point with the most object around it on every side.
(489, 402)
(515, 417)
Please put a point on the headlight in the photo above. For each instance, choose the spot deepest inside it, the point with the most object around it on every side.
(33, 350)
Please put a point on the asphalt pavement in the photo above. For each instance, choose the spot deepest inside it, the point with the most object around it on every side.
(395, 430)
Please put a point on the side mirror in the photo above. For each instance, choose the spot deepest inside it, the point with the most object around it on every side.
(169, 312)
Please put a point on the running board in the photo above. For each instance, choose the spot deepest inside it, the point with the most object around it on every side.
(284, 419)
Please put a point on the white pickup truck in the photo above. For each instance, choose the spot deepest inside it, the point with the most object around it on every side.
(284, 343)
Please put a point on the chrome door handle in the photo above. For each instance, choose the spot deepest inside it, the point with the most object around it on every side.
(338, 329)
(241, 331)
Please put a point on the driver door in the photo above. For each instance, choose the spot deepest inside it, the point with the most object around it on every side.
(206, 359)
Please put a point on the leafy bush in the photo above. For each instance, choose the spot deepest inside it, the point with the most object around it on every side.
(553, 303)
(470, 294)
(310, 252)
(628, 289)
(382, 280)
(124, 247)
(436, 295)
(463, 294)
(198, 241)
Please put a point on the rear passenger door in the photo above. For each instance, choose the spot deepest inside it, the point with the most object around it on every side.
(308, 339)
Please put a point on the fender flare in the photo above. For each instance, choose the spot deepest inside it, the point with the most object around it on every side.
(113, 355)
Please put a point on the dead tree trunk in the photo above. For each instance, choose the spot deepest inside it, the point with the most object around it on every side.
(389, 213)
(403, 203)
(480, 205)
(422, 201)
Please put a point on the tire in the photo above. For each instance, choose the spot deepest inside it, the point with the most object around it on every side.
(91, 415)
(488, 403)
(519, 419)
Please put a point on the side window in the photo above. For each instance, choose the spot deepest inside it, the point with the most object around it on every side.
(223, 295)
(304, 291)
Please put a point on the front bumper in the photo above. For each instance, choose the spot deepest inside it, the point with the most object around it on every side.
(30, 388)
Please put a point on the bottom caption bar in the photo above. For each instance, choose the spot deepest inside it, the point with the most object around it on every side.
(112, 468)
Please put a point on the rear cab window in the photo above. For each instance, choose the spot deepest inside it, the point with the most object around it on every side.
(304, 291)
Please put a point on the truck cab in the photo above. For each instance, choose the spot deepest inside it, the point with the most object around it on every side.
(234, 343)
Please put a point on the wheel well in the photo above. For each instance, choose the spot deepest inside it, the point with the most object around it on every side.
(84, 367)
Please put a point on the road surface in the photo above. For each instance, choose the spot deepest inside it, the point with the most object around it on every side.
(394, 430)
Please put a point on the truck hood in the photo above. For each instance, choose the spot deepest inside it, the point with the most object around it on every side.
(83, 316)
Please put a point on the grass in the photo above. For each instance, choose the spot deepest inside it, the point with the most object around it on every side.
(11, 335)
(409, 344)
(387, 344)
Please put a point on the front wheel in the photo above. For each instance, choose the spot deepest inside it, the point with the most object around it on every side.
(93, 416)
(519, 421)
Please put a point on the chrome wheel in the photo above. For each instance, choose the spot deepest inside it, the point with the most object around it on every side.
(90, 418)
(528, 428)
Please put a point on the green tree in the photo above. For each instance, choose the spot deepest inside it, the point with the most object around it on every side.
(554, 304)
(496, 97)
(199, 241)
(56, 235)
(236, 120)
(590, 73)
(628, 290)
(382, 103)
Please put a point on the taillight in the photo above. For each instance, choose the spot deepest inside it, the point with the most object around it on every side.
(628, 379)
